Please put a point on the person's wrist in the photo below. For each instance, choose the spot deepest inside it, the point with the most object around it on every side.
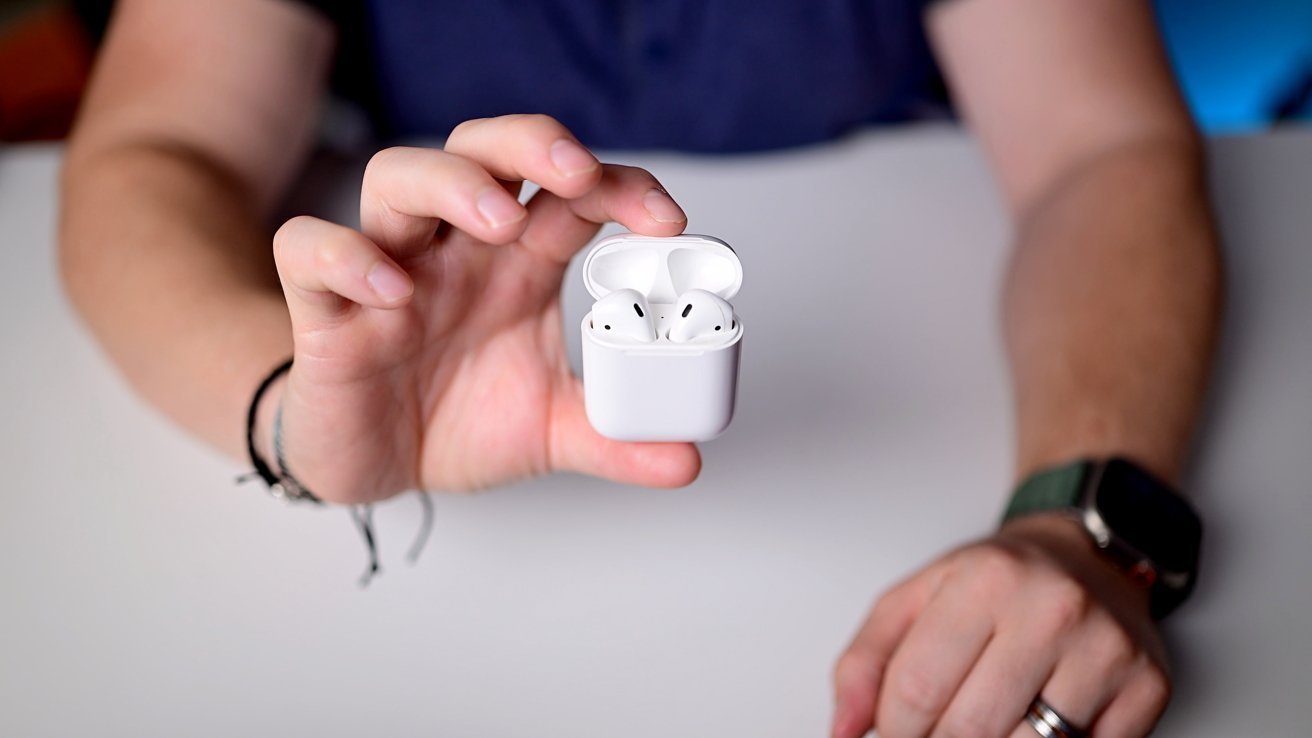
(1056, 532)
(1064, 540)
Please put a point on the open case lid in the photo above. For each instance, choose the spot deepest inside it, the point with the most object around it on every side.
(662, 268)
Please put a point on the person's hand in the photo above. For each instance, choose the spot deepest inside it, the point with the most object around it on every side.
(964, 646)
(428, 347)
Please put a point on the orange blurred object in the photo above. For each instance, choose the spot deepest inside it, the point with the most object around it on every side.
(45, 59)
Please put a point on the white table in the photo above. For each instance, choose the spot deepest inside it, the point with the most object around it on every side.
(145, 595)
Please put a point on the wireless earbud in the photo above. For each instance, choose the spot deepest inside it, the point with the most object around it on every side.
(623, 315)
(702, 316)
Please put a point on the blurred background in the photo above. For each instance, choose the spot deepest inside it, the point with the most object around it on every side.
(1245, 65)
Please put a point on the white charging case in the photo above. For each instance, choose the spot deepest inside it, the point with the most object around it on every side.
(661, 391)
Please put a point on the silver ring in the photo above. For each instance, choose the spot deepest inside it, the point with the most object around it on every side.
(1049, 723)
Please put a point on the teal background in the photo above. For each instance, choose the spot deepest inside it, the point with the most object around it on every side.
(1238, 59)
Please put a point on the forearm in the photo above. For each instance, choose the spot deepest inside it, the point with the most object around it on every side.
(169, 264)
(1111, 309)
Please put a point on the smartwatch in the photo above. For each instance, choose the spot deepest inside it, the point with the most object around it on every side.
(1136, 520)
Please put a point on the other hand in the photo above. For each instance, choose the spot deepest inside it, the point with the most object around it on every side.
(964, 646)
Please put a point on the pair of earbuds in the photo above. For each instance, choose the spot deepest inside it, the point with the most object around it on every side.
(699, 317)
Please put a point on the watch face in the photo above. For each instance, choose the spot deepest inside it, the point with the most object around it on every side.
(1149, 515)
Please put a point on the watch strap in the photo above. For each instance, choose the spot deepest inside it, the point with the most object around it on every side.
(1063, 488)
(1058, 488)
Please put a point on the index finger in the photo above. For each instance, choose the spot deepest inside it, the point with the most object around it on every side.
(860, 669)
(407, 191)
(537, 148)
(630, 196)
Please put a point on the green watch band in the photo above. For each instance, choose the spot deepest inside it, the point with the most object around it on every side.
(1058, 488)
(1138, 522)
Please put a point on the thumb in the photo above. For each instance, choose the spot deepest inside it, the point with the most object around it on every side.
(577, 446)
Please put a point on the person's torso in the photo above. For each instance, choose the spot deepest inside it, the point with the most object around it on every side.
(708, 75)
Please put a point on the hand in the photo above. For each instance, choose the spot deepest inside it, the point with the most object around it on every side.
(428, 347)
(962, 647)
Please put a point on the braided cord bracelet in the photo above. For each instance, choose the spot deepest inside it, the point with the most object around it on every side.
(283, 485)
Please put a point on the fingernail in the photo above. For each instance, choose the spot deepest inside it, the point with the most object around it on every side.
(498, 208)
(662, 207)
(571, 159)
(389, 283)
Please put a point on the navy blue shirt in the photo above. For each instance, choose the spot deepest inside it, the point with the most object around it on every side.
(700, 75)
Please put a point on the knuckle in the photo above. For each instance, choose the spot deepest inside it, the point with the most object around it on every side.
(533, 127)
(533, 122)
(381, 164)
(631, 175)
(381, 159)
(1155, 686)
(1066, 604)
(328, 255)
(284, 239)
(917, 691)
(280, 238)
(886, 606)
(538, 131)
(1115, 648)
(849, 665)
(628, 171)
(996, 568)
(462, 129)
